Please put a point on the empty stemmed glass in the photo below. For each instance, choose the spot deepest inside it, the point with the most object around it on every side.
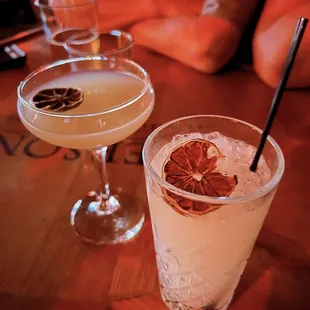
(112, 43)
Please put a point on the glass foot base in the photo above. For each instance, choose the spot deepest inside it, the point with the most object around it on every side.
(104, 227)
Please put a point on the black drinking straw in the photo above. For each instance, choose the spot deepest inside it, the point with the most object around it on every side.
(299, 32)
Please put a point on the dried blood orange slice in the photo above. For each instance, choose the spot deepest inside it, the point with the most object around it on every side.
(58, 99)
(192, 168)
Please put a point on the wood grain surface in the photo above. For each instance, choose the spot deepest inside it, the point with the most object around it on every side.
(44, 265)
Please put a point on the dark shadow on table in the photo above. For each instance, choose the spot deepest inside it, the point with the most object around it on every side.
(8, 302)
(291, 262)
(288, 268)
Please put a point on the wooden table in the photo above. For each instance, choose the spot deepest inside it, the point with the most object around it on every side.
(43, 265)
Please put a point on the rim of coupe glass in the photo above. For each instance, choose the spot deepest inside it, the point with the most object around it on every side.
(39, 4)
(75, 60)
(116, 33)
(215, 200)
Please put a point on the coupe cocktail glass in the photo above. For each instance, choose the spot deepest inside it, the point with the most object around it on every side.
(118, 98)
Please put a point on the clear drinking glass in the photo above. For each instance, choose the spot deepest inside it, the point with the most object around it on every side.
(63, 18)
(118, 99)
(113, 43)
(200, 258)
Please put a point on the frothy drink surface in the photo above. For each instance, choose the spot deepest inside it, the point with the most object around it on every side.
(102, 91)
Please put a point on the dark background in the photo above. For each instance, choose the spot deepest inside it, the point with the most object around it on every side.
(16, 16)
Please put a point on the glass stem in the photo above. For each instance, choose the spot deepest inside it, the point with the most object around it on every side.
(100, 155)
(107, 204)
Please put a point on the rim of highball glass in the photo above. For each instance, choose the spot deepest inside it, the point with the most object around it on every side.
(95, 34)
(81, 59)
(273, 182)
(39, 3)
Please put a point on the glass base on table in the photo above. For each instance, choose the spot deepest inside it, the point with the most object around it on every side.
(179, 306)
(192, 303)
(118, 223)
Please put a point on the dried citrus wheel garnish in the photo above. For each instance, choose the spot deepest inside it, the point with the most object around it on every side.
(58, 99)
(192, 168)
